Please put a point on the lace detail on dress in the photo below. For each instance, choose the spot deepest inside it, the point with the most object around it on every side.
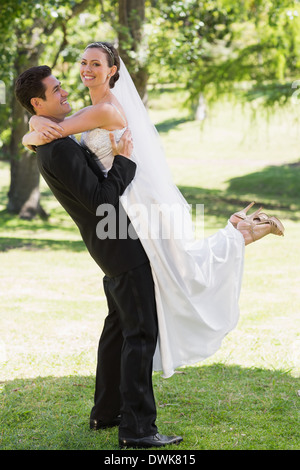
(98, 142)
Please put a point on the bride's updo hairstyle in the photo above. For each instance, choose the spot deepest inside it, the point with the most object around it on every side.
(112, 58)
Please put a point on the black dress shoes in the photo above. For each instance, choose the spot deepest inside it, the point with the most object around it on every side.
(158, 440)
(97, 424)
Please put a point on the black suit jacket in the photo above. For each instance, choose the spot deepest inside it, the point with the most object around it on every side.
(80, 187)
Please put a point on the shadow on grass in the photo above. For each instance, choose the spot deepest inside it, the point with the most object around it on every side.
(278, 182)
(213, 407)
(40, 244)
(12, 224)
(169, 124)
(13, 221)
(274, 188)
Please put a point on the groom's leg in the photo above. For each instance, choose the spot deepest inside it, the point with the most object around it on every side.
(107, 391)
(133, 294)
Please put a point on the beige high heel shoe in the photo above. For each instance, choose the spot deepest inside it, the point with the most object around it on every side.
(253, 230)
(242, 215)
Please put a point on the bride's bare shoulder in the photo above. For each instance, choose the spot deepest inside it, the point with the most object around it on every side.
(111, 114)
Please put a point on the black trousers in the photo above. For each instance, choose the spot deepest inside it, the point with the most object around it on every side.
(125, 354)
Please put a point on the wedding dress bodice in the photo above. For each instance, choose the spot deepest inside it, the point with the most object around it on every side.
(98, 142)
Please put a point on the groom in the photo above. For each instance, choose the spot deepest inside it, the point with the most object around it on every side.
(124, 394)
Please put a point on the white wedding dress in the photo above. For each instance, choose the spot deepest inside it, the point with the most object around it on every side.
(197, 282)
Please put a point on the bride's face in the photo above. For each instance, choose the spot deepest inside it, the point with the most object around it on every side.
(94, 69)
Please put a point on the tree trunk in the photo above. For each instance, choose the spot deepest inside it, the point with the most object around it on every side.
(24, 193)
(131, 19)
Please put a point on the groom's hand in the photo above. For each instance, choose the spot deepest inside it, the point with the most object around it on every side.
(124, 147)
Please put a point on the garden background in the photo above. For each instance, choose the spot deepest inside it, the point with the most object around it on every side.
(220, 81)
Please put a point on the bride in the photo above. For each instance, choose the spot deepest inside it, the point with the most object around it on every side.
(197, 282)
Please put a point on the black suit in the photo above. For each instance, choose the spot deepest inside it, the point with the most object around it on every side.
(128, 340)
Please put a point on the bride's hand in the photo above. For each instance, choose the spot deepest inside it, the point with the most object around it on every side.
(124, 146)
(49, 129)
(34, 139)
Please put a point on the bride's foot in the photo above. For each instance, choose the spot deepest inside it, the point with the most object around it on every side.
(253, 230)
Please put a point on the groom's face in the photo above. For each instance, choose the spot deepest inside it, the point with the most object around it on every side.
(55, 105)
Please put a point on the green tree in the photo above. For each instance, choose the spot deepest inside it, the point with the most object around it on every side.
(249, 49)
(54, 32)
(213, 46)
(132, 42)
(25, 29)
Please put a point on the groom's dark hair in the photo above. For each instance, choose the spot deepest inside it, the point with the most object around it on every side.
(29, 85)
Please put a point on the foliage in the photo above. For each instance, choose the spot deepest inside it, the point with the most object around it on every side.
(57, 31)
(33, 32)
(212, 46)
(248, 48)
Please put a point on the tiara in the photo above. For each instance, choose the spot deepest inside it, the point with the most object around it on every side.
(100, 44)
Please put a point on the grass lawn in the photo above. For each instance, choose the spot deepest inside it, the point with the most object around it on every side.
(52, 305)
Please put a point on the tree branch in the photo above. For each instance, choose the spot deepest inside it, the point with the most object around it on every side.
(76, 10)
(62, 46)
